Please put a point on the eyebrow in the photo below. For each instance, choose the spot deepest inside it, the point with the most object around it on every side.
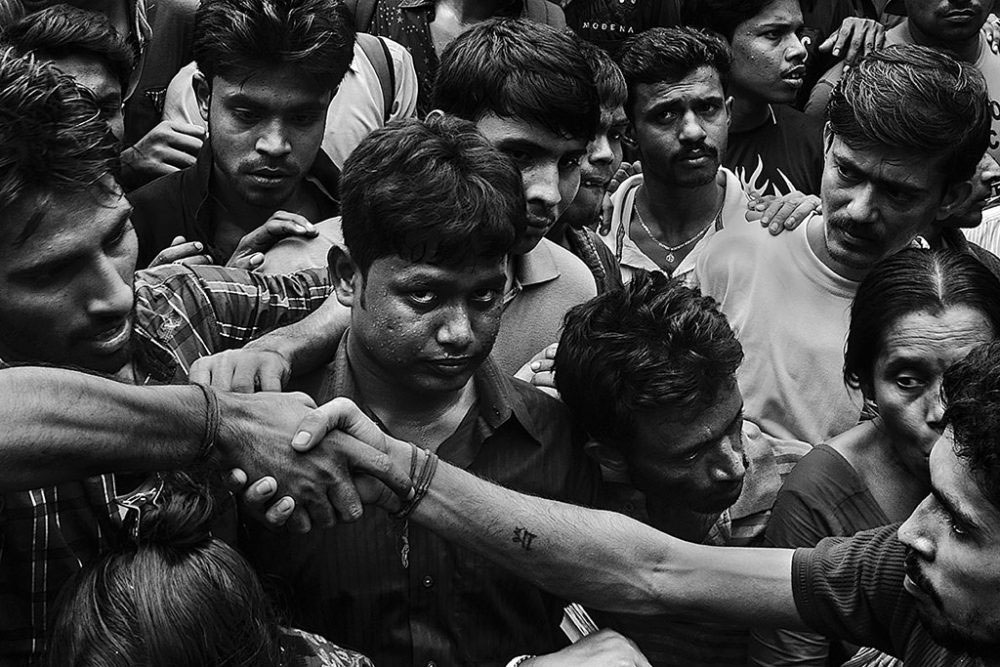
(953, 509)
(707, 441)
(843, 160)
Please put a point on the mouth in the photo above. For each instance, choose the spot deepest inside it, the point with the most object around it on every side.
(915, 582)
(540, 222)
(795, 76)
(595, 182)
(962, 16)
(112, 339)
(451, 366)
(696, 158)
(269, 177)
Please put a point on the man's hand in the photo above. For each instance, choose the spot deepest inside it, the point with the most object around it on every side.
(625, 171)
(857, 36)
(969, 213)
(540, 370)
(992, 31)
(784, 212)
(249, 253)
(244, 371)
(168, 147)
(606, 648)
(316, 470)
(182, 251)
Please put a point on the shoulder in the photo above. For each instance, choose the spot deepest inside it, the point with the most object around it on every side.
(161, 191)
(565, 272)
(544, 11)
(295, 253)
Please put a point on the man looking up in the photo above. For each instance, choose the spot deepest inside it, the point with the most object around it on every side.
(83, 45)
(267, 72)
(423, 273)
(887, 178)
(662, 218)
(649, 371)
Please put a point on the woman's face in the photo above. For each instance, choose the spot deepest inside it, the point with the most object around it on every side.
(916, 351)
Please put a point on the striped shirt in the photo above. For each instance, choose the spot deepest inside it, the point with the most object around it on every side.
(670, 641)
(181, 314)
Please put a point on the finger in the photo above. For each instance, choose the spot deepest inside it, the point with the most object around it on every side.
(271, 376)
(190, 129)
(340, 413)
(176, 253)
(196, 260)
(299, 521)
(361, 457)
(871, 37)
(843, 35)
(550, 351)
(235, 480)
(246, 263)
(544, 379)
(178, 240)
(806, 208)
(374, 492)
(201, 372)
(828, 43)
(244, 378)
(542, 365)
(856, 47)
(260, 492)
(607, 212)
(279, 513)
(173, 157)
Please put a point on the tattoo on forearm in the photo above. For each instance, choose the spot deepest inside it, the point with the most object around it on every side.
(523, 537)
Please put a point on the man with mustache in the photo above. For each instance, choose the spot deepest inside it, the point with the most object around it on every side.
(679, 116)
(264, 85)
(887, 178)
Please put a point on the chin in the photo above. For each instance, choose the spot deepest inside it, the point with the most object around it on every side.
(958, 637)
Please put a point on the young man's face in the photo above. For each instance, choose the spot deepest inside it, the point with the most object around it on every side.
(604, 155)
(550, 170)
(875, 201)
(266, 128)
(768, 56)
(428, 327)
(947, 22)
(698, 465)
(681, 127)
(66, 291)
(953, 564)
(94, 73)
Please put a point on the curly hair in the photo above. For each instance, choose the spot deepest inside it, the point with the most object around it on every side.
(655, 344)
(972, 392)
(918, 100)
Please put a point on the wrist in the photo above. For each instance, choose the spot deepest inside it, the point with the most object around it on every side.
(235, 416)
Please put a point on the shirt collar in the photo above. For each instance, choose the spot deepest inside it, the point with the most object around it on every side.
(536, 266)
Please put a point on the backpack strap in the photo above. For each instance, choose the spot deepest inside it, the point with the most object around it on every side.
(377, 52)
(363, 11)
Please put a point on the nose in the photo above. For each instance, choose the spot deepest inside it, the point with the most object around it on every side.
(729, 463)
(691, 129)
(935, 408)
(455, 330)
(599, 150)
(861, 207)
(914, 533)
(273, 140)
(796, 51)
(541, 185)
(111, 294)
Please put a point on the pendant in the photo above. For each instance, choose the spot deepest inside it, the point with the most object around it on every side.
(670, 258)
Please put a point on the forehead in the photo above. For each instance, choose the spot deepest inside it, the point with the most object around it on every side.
(700, 84)
(53, 225)
(946, 336)
(659, 428)
(777, 11)
(284, 86)
(952, 478)
(515, 133)
(611, 116)
(401, 272)
(90, 72)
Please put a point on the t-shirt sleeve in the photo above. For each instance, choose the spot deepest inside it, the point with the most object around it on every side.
(852, 588)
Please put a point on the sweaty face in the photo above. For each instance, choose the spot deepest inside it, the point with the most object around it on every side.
(265, 128)
(94, 74)
(550, 170)
(768, 56)
(953, 565)
(681, 127)
(699, 464)
(604, 155)
(875, 202)
(428, 327)
(66, 290)
(916, 351)
(941, 23)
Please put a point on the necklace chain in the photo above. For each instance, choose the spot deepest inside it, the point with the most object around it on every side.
(670, 250)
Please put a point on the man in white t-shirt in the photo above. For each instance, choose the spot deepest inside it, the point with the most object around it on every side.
(887, 178)
(679, 115)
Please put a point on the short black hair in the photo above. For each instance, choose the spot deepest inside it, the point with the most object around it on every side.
(61, 31)
(721, 16)
(430, 191)
(520, 69)
(237, 37)
(611, 89)
(670, 54)
(654, 344)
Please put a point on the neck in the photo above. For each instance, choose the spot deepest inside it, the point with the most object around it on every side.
(966, 50)
(816, 236)
(557, 233)
(682, 523)
(471, 11)
(680, 212)
(748, 114)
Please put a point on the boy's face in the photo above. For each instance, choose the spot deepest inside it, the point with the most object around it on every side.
(426, 326)
(94, 73)
(768, 56)
(550, 170)
(604, 156)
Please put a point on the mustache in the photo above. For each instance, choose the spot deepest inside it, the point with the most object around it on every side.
(697, 151)
(912, 567)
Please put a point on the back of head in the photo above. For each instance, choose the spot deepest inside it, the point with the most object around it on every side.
(431, 191)
(972, 392)
(913, 280)
(515, 68)
(655, 344)
(172, 595)
(721, 16)
(611, 91)
(669, 54)
(916, 100)
(52, 135)
(234, 38)
(63, 31)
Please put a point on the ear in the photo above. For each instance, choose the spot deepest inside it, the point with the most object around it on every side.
(202, 93)
(955, 200)
(607, 456)
(344, 275)
(729, 110)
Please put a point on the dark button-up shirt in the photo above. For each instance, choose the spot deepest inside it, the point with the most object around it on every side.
(442, 604)
(178, 205)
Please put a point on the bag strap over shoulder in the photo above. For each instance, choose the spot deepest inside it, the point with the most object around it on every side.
(377, 52)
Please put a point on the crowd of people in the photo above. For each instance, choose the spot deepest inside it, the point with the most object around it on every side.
(499, 332)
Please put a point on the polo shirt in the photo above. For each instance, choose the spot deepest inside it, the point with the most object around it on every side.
(181, 314)
(666, 640)
(440, 604)
(178, 205)
(547, 282)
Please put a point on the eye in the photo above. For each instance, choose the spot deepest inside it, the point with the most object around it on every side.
(910, 382)
(244, 115)
(422, 297)
(485, 296)
(305, 119)
(847, 174)
(117, 239)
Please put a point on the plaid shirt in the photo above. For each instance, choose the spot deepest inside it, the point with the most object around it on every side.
(181, 314)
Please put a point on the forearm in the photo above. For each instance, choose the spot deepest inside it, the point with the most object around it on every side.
(59, 425)
(606, 560)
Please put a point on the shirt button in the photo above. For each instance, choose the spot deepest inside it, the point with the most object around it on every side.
(428, 582)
